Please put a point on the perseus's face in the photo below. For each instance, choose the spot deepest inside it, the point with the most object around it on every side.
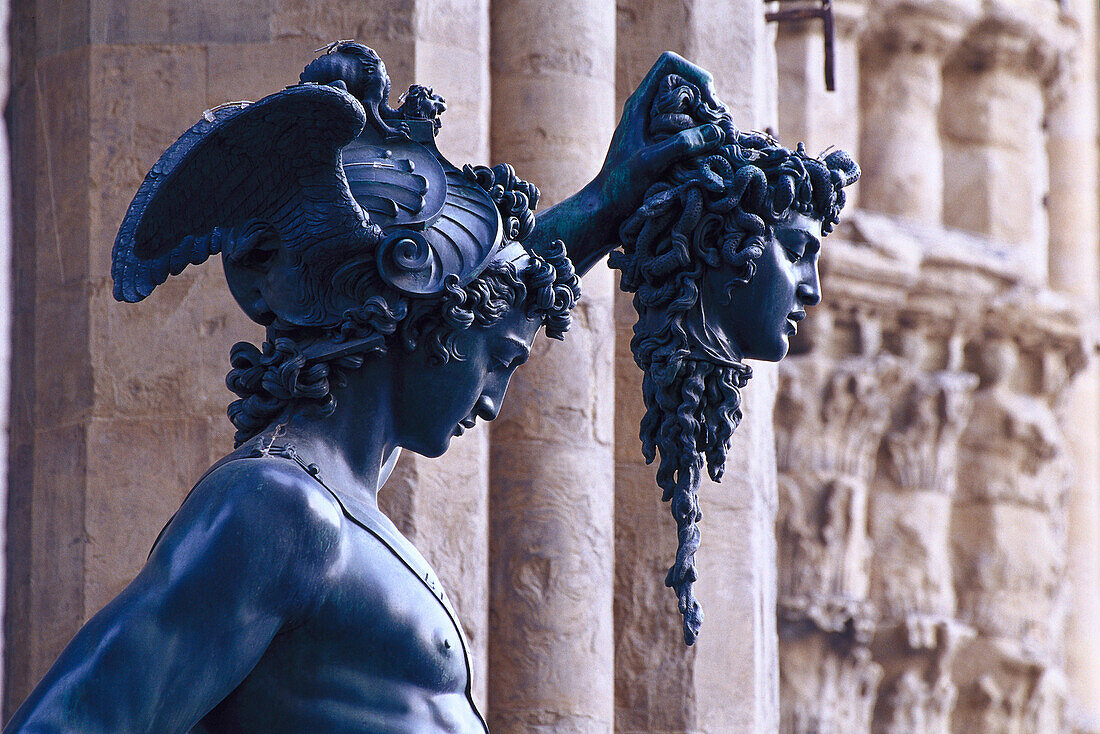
(436, 402)
(759, 318)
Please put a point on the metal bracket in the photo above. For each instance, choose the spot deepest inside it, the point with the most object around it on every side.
(811, 11)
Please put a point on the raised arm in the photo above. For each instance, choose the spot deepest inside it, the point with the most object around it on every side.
(588, 221)
(242, 559)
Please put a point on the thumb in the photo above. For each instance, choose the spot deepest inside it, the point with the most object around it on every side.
(684, 144)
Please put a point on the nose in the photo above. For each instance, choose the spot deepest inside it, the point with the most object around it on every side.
(486, 408)
(809, 290)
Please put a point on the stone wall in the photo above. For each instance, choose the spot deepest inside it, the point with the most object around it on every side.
(908, 536)
(936, 424)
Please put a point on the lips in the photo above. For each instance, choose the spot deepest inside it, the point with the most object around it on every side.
(464, 424)
(793, 318)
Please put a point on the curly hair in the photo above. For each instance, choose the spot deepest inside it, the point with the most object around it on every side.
(710, 211)
(280, 375)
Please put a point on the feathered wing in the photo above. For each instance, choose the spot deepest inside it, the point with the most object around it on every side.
(275, 161)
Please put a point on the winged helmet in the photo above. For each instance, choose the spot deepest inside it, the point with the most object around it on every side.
(332, 173)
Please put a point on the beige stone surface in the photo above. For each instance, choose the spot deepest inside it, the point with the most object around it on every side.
(138, 392)
(1073, 257)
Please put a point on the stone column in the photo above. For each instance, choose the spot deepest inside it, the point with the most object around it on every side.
(728, 681)
(551, 468)
(900, 92)
(917, 636)
(993, 115)
(128, 401)
(1071, 150)
(807, 111)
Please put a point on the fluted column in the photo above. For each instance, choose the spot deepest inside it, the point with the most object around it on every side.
(728, 680)
(1071, 148)
(995, 171)
(901, 87)
(552, 498)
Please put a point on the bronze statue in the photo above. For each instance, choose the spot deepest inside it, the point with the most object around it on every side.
(722, 260)
(399, 294)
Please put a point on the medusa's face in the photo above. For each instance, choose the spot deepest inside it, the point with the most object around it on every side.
(760, 317)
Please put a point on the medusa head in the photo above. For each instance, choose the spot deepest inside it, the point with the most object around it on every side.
(722, 260)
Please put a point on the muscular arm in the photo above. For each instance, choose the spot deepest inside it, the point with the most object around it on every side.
(243, 559)
(588, 222)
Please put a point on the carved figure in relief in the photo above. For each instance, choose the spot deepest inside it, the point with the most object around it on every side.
(722, 259)
(399, 294)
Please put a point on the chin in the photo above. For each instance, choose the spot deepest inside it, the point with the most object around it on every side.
(770, 352)
(432, 449)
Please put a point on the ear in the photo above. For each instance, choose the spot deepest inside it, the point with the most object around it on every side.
(248, 252)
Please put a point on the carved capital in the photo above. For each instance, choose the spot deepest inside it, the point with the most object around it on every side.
(1038, 42)
(830, 416)
(918, 695)
(826, 690)
(911, 28)
(1003, 693)
(923, 440)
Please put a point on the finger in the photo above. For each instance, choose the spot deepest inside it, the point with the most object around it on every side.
(684, 144)
(670, 63)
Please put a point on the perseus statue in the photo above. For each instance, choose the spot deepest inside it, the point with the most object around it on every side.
(399, 294)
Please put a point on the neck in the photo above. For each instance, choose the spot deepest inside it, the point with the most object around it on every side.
(355, 447)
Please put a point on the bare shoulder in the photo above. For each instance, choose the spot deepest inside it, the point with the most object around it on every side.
(261, 524)
(267, 490)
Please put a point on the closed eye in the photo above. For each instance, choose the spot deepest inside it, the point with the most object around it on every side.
(793, 255)
(801, 248)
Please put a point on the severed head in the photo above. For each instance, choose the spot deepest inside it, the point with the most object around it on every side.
(722, 260)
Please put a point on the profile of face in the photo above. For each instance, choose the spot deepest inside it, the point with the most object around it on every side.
(759, 318)
(435, 402)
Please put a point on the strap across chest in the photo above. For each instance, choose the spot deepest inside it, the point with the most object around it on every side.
(365, 517)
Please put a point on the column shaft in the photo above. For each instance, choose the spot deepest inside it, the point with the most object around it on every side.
(551, 496)
(1073, 258)
(728, 681)
(900, 93)
(993, 119)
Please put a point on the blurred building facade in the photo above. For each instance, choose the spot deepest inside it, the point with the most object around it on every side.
(908, 536)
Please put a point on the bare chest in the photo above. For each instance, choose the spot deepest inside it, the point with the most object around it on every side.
(380, 653)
